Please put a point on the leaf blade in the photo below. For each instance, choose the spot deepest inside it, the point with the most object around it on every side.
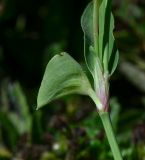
(87, 23)
(63, 76)
(107, 48)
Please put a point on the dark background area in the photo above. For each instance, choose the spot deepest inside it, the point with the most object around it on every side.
(31, 32)
(29, 29)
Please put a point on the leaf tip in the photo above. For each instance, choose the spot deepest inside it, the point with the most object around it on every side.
(37, 107)
(62, 53)
(40, 105)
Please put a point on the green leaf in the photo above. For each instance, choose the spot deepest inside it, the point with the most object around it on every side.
(107, 52)
(22, 120)
(87, 23)
(63, 76)
(87, 26)
(113, 62)
(7, 126)
(107, 47)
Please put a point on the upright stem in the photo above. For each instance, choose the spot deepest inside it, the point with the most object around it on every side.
(102, 101)
(110, 135)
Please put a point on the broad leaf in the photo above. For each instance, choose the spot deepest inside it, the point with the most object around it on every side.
(63, 76)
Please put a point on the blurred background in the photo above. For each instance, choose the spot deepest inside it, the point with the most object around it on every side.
(31, 32)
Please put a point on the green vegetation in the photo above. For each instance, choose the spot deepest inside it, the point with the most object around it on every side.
(69, 127)
(64, 76)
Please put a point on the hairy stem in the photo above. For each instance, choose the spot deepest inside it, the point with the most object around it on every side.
(110, 135)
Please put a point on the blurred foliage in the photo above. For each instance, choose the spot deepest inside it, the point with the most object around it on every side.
(68, 129)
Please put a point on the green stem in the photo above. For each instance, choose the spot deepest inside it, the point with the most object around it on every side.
(110, 135)
(96, 100)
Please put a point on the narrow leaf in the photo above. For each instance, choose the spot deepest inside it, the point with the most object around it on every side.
(104, 25)
(107, 47)
(107, 51)
(87, 23)
(113, 62)
(87, 26)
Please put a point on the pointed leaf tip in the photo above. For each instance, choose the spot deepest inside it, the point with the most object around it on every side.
(63, 76)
